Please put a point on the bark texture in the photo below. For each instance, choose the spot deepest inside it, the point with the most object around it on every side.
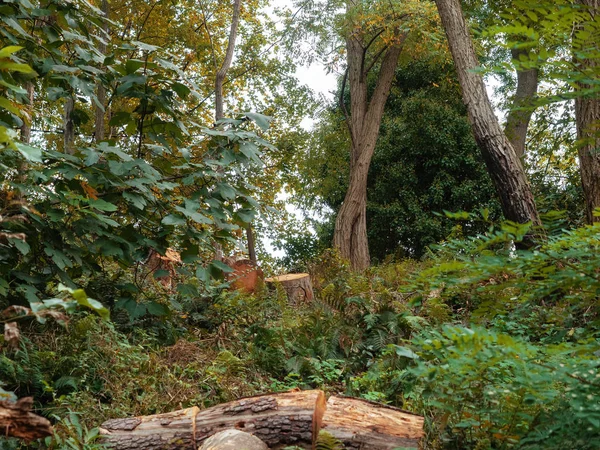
(500, 157)
(587, 114)
(522, 108)
(279, 420)
(364, 425)
(17, 420)
(298, 286)
(364, 120)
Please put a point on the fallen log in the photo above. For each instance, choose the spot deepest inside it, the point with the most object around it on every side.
(298, 286)
(280, 420)
(360, 424)
(17, 420)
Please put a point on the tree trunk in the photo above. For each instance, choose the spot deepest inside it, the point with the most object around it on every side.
(99, 129)
(522, 107)
(251, 244)
(219, 80)
(298, 286)
(499, 155)
(222, 72)
(587, 114)
(364, 425)
(350, 235)
(68, 126)
(289, 418)
(16, 420)
(26, 127)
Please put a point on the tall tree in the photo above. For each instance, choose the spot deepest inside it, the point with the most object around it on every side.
(350, 235)
(500, 157)
(375, 35)
(587, 114)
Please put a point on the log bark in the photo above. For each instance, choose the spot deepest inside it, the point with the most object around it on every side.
(298, 286)
(501, 160)
(290, 418)
(587, 115)
(360, 424)
(17, 420)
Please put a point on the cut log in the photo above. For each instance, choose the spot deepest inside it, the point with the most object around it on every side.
(366, 425)
(298, 286)
(17, 420)
(290, 418)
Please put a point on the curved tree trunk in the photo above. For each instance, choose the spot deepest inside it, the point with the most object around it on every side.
(364, 120)
(499, 155)
(587, 114)
(522, 107)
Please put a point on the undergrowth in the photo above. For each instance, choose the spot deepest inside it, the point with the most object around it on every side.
(497, 347)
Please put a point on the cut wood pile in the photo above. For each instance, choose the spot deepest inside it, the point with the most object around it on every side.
(279, 420)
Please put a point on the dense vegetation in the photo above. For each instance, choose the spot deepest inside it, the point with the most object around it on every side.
(110, 156)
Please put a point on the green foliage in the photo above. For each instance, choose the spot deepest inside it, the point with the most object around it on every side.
(486, 386)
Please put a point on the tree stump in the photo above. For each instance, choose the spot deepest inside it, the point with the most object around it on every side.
(246, 275)
(298, 286)
(360, 424)
(279, 420)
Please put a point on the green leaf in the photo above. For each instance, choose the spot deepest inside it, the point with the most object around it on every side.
(82, 299)
(157, 309)
(262, 121)
(405, 352)
(221, 266)
(132, 65)
(30, 153)
(21, 245)
(187, 290)
(102, 205)
(7, 51)
(173, 219)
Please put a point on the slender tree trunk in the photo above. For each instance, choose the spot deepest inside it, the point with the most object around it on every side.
(68, 126)
(99, 129)
(222, 72)
(587, 114)
(219, 80)
(522, 108)
(502, 162)
(26, 127)
(350, 235)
